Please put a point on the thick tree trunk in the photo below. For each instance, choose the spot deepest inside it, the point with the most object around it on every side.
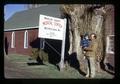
(70, 38)
(76, 37)
(84, 19)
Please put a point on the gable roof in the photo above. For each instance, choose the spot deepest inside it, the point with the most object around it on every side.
(30, 18)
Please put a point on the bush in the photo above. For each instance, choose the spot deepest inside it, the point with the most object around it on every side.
(35, 53)
(41, 54)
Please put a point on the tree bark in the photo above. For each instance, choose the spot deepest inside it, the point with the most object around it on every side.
(84, 19)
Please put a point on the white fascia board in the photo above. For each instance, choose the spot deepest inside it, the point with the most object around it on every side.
(21, 28)
(111, 35)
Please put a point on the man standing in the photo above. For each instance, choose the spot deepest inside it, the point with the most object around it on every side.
(90, 56)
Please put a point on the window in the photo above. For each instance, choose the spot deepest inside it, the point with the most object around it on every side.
(26, 39)
(13, 40)
(42, 43)
(110, 44)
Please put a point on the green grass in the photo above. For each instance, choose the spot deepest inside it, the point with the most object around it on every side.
(48, 70)
(18, 58)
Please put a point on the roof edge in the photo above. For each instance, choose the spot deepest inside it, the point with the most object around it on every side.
(21, 28)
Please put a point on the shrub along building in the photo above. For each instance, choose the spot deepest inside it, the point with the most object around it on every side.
(21, 32)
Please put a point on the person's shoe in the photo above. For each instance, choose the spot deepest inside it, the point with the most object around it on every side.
(87, 76)
(92, 76)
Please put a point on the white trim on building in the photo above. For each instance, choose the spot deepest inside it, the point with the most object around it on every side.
(42, 43)
(22, 28)
(110, 44)
(13, 40)
(26, 39)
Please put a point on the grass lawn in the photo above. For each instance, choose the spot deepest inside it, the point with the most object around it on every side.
(47, 70)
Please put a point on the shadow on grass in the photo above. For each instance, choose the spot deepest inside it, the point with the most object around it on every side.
(38, 61)
(33, 63)
(108, 68)
(75, 63)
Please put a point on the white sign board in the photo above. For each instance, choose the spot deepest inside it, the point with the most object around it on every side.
(51, 28)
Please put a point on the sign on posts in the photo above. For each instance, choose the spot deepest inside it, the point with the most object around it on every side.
(53, 28)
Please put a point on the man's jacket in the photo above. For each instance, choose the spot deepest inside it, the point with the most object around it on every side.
(92, 49)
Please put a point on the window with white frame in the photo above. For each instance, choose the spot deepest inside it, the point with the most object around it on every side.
(26, 39)
(42, 43)
(13, 40)
(110, 44)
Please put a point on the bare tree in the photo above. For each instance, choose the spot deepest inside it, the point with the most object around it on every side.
(82, 19)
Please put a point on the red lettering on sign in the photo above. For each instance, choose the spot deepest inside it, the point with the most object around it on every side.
(47, 23)
(58, 24)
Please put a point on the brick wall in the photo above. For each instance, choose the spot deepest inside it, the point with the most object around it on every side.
(109, 30)
(19, 41)
(109, 23)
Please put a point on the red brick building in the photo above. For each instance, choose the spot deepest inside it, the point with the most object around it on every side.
(21, 31)
(109, 35)
(18, 41)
